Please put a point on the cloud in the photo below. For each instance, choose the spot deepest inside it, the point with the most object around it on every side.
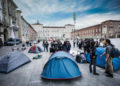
(45, 7)
(46, 11)
(93, 19)
(87, 20)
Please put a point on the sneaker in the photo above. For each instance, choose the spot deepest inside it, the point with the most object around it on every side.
(110, 75)
(106, 72)
(90, 71)
(96, 73)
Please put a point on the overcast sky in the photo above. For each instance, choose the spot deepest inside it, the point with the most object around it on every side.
(60, 12)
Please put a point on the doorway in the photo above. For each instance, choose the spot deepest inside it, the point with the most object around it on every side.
(5, 35)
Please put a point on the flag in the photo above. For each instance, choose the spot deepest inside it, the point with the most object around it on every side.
(74, 16)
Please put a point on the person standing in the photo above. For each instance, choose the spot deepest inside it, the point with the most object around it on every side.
(1, 43)
(46, 45)
(68, 46)
(74, 43)
(43, 45)
(109, 66)
(93, 58)
(64, 46)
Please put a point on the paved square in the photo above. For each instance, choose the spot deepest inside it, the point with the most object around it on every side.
(29, 75)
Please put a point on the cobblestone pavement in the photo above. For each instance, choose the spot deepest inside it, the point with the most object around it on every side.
(6, 49)
(29, 75)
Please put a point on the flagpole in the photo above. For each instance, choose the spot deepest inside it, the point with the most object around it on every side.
(74, 18)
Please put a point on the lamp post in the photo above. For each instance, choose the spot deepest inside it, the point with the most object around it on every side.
(74, 18)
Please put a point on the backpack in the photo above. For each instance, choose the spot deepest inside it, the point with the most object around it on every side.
(83, 58)
(115, 52)
(80, 58)
(92, 51)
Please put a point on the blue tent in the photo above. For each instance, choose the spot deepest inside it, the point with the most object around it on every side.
(101, 61)
(35, 49)
(61, 65)
(12, 61)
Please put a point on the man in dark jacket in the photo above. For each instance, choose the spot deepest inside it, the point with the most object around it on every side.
(46, 45)
(43, 45)
(64, 46)
(93, 58)
(1, 43)
(68, 46)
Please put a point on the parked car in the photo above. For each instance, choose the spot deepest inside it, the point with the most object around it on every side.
(12, 41)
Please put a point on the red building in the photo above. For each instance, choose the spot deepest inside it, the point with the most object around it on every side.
(32, 33)
(108, 29)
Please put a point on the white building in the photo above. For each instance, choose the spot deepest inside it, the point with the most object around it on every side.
(8, 19)
(56, 32)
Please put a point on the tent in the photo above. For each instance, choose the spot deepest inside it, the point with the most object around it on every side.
(35, 49)
(101, 61)
(61, 65)
(12, 60)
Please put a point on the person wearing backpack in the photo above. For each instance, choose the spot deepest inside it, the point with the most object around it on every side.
(109, 57)
(115, 52)
(93, 58)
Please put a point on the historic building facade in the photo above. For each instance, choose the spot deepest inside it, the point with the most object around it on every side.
(8, 19)
(12, 21)
(111, 29)
(32, 33)
(56, 32)
(107, 29)
(24, 31)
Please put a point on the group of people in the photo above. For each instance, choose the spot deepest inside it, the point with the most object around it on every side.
(57, 45)
(89, 45)
(45, 45)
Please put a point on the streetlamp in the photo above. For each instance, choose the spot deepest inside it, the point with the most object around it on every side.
(74, 18)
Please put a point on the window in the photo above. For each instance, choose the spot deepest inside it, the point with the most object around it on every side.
(0, 4)
(96, 30)
(99, 29)
(104, 29)
(110, 30)
(111, 23)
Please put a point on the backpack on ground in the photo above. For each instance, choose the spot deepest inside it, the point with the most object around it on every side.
(80, 58)
(83, 58)
(52, 50)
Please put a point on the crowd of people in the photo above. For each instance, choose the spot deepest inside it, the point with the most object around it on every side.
(89, 46)
(57, 45)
